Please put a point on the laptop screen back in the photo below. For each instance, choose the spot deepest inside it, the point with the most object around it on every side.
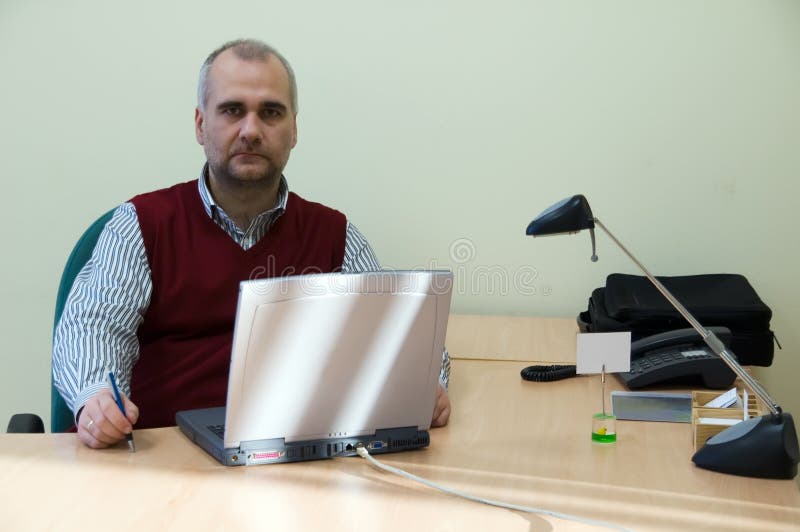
(336, 355)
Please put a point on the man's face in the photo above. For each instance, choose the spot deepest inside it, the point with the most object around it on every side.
(248, 127)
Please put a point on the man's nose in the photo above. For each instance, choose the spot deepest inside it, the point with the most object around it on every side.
(250, 130)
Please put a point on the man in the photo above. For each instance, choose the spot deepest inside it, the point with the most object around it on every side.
(156, 302)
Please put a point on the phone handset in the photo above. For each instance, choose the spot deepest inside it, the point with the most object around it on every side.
(677, 337)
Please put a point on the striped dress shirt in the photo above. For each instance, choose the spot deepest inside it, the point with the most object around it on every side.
(110, 296)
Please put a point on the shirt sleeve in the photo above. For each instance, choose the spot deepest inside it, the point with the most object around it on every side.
(358, 254)
(359, 257)
(97, 330)
(444, 374)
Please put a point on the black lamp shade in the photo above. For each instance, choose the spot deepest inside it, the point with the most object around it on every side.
(567, 216)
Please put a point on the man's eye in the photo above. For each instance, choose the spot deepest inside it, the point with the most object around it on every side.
(231, 111)
(271, 113)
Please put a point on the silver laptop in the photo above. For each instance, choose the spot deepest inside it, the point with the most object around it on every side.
(322, 363)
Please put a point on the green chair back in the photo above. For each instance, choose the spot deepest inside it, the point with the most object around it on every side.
(61, 418)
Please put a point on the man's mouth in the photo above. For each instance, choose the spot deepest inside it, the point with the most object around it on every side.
(248, 155)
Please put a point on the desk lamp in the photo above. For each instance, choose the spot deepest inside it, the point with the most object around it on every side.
(761, 447)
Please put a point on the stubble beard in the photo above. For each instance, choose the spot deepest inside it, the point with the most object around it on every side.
(228, 176)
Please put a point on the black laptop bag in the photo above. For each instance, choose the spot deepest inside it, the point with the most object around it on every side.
(632, 303)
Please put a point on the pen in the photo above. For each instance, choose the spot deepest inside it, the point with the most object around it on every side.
(118, 399)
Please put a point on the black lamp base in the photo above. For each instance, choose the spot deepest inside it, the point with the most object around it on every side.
(760, 447)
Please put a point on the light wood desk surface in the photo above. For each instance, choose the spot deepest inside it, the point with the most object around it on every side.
(520, 442)
(512, 338)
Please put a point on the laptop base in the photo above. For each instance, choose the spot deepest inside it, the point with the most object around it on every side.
(275, 451)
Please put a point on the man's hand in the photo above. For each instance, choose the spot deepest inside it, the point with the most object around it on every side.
(101, 423)
(441, 411)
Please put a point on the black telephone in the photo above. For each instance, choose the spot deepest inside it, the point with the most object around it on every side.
(680, 357)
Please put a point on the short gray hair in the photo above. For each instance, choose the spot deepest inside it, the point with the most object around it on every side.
(249, 50)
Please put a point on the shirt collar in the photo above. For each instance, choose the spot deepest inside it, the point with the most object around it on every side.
(211, 207)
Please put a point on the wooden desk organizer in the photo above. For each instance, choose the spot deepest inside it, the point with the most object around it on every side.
(702, 431)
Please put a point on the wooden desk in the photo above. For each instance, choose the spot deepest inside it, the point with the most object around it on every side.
(508, 439)
(512, 338)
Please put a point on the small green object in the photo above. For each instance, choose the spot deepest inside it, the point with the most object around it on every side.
(604, 428)
(604, 438)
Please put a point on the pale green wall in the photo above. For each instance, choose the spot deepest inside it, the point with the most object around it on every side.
(439, 127)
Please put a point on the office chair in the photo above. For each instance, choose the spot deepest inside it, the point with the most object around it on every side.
(61, 417)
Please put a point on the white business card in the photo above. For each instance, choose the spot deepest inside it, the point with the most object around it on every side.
(612, 349)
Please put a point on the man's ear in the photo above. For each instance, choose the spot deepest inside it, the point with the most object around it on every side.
(198, 125)
(294, 131)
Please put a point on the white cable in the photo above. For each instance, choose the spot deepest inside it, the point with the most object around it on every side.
(363, 453)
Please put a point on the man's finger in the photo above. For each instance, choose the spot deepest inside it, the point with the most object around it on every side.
(90, 441)
(131, 410)
(116, 425)
(441, 419)
(89, 426)
(441, 410)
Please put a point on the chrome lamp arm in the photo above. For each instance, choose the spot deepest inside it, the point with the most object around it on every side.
(709, 337)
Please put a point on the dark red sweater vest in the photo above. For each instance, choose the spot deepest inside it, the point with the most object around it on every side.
(185, 338)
